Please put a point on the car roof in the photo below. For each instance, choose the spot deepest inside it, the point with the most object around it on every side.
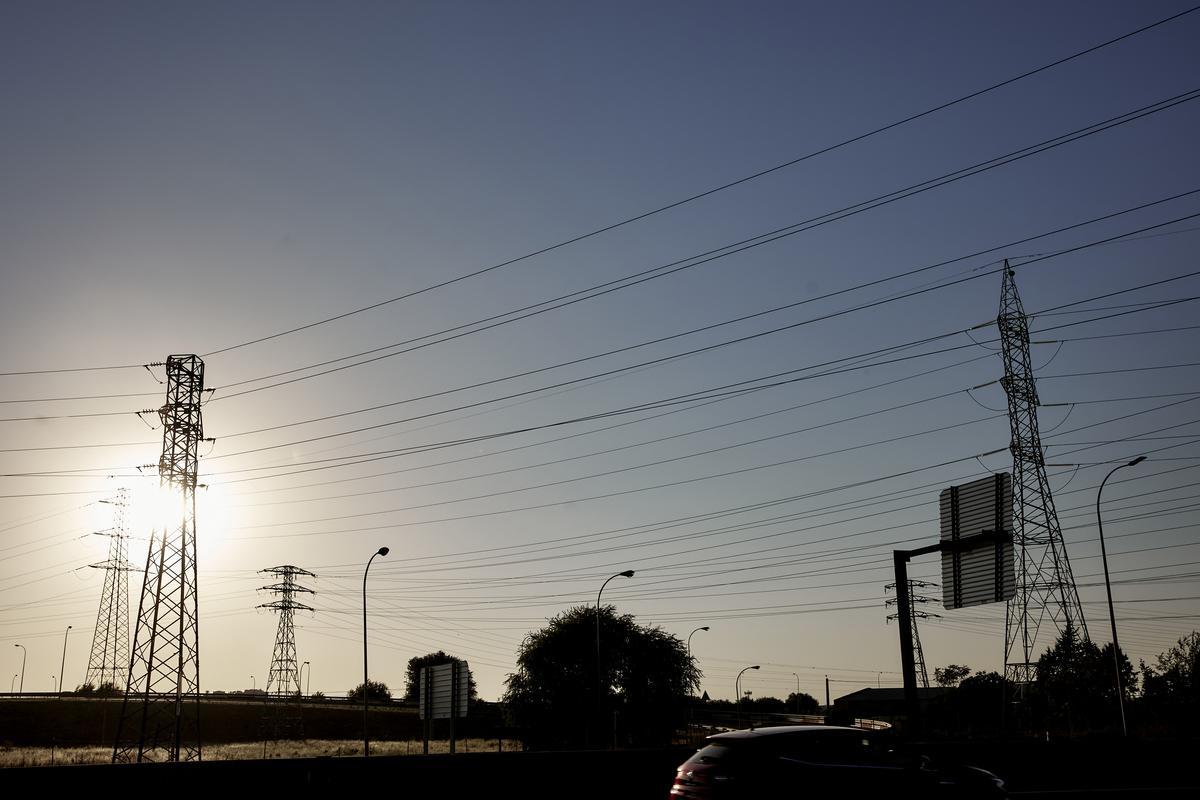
(779, 730)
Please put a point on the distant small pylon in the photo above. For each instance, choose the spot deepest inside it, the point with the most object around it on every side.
(914, 614)
(109, 659)
(282, 719)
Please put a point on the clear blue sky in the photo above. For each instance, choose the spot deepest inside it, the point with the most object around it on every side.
(185, 177)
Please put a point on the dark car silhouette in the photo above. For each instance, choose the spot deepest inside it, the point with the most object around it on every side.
(798, 759)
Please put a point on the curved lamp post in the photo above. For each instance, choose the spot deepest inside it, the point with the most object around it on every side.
(797, 677)
(24, 653)
(383, 551)
(599, 690)
(1112, 617)
(737, 690)
(689, 639)
(63, 665)
(299, 685)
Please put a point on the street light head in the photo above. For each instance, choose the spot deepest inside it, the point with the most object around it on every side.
(704, 628)
(383, 551)
(756, 666)
(626, 574)
(1136, 461)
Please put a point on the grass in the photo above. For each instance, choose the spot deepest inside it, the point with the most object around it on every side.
(308, 748)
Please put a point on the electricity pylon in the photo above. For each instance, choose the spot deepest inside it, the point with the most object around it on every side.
(282, 719)
(914, 614)
(1045, 586)
(109, 658)
(160, 716)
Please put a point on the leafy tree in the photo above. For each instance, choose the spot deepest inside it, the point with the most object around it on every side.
(377, 692)
(1075, 680)
(645, 676)
(1171, 688)
(765, 705)
(412, 678)
(802, 703)
(950, 675)
(317, 697)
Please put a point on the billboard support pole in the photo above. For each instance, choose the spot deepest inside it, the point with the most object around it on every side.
(900, 559)
(908, 666)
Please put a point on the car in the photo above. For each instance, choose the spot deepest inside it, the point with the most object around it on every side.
(795, 760)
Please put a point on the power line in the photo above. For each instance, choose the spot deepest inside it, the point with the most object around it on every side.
(722, 187)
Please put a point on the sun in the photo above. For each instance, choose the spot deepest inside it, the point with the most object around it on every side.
(154, 507)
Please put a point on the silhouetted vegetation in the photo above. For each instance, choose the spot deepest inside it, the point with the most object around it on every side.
(950, 675)
(645, 673)
(377, 692)
(1171, 688)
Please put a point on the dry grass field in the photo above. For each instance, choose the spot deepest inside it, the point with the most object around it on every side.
(310, 748)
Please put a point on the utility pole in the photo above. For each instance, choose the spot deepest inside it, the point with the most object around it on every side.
(915, 599)
(160, 715)
(109, 658)
(1045, 585)
(283, 681)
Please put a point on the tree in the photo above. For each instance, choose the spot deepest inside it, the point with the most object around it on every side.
(1075, 679)
(645, 675)
(802, 703)
(377, 692)
(1171, 688)
(950, 675)
(412, 678)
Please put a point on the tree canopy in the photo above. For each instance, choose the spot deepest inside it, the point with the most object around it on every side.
(1171, 688)
(950, 675)
(377, 691)
(1076, 683)
(645, 677)
(412, 677)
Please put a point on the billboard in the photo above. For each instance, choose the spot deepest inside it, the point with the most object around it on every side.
(444, 690)
(977, 542)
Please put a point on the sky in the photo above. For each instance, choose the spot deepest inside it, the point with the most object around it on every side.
(192, 178)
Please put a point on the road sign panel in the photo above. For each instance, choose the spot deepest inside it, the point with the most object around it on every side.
(977, 542)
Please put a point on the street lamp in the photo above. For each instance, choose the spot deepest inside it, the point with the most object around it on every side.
(626, 574)
(689, 641)
(24, 653)
(298, 680)
(53, 682)
(63, 666)
(12, 683)
(797, 677)
(737, 683)
(383, 551)
(253, 685)
(1112, 617)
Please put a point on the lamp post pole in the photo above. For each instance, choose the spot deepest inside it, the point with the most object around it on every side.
(12, 683)
(383, 551)
(1112, 617)
(689, 639)
(24, 653)
(689, 642)
(737, 690)
(797, 677)
(62, 667)
(599, 684)
(302, 666)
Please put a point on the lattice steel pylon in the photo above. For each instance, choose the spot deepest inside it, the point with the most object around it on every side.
(160, 717)
(282, 719)
(109, 658)
(914, 614)
(1045, 586)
